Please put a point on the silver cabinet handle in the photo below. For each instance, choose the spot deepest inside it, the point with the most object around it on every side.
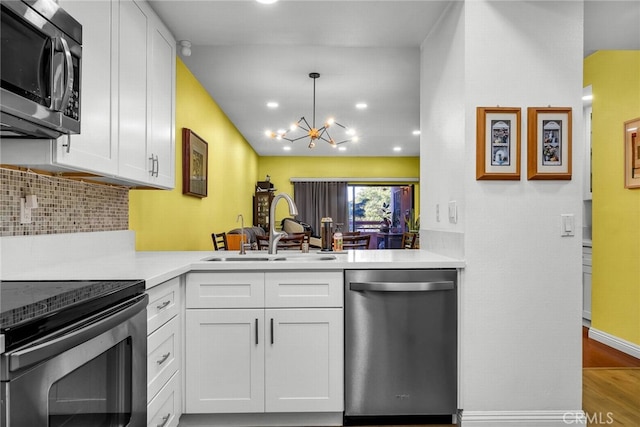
(257, 332)
(68, 144)
(157, 165)
(165, 419)
(163, 305)
(163, 358)
(272, 337)
(401, 286)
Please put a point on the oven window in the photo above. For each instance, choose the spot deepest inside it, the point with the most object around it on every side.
(96, 394)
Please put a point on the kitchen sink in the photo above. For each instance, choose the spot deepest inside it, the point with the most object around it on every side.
(249, 258)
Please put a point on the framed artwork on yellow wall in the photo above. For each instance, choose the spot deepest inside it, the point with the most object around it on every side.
(195, 166)
(497, 143)
(632, 154)
(549, 143)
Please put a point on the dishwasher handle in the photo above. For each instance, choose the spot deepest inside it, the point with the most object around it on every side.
(401, 286)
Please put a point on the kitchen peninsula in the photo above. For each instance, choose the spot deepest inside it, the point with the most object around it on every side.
(181, 287)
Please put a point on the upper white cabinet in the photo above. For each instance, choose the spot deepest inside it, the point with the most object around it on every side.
(146, 66)
(128, 100)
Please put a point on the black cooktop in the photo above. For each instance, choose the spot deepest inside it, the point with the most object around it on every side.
(32, 309)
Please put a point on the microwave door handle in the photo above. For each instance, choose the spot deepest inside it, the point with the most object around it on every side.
(69, 82)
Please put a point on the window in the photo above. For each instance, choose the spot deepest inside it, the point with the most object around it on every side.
(369, 205)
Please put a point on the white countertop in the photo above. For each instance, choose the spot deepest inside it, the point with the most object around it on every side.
(157, 267)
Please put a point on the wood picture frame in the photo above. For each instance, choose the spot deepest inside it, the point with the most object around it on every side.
(632, 153)
(498, 143)
(195, 164)
(549, 143)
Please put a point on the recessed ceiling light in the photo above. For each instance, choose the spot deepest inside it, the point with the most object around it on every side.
(342, 148)
(287, 148)
(266, 1)
(272, 104)
(416, 132)
(361, 105)
(397, 149)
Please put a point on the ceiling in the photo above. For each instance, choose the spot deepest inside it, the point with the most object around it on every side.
(246, 54)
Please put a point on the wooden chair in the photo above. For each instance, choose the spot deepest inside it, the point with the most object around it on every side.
(290, 241)
(358, 241)
(409, 240)
(219, 241)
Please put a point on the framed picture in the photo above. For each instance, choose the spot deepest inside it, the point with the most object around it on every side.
(632, 154)
(195, 165)
(498, 143)
(549, 143)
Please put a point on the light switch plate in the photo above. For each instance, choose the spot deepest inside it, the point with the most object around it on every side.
(567, 225)
(453, 212)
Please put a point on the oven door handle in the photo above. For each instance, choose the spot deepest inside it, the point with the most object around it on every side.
(80, 332)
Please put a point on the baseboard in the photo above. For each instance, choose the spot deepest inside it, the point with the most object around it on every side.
(522, 418)
(618, 343)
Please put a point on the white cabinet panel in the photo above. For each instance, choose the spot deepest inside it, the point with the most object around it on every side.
(304, 372)
(304, 289)
(164, 409)
(163, 358)
(225, 290)
(225, 361)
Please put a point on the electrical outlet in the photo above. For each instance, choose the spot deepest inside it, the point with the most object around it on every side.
(25, 212)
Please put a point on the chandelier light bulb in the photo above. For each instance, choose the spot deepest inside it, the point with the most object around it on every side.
(312, 144)
(355, 139)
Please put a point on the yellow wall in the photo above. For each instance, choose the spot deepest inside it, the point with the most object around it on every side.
(169, 220)
(615, 79)
(281, 169)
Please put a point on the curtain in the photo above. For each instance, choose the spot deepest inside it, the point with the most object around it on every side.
(319, 199)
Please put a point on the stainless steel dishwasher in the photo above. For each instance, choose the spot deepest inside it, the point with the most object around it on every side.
(400, 346)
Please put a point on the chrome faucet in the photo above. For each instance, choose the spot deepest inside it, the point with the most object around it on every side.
(241, 218)
(275, 236)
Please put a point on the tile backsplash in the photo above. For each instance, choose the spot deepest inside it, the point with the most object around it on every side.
(64, 205)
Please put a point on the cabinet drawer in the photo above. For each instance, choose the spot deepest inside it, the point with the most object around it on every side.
(163, 348)
(304, 289)
(164, 303)
(164, 410)
(225, 290)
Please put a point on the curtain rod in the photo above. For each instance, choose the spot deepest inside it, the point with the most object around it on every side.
(355, 179)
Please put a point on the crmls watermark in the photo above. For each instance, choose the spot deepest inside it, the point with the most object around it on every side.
(594, 419)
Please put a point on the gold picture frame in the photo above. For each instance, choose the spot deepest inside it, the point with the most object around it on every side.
(195, 164)
(632, 153)
(498, 143)
(549, 143)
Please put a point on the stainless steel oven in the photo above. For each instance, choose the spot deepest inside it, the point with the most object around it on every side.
(41, 49)
(81, 362)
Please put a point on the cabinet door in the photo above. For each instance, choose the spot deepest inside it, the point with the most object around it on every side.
(161, 95)
(132, 71)
(304, 360)
(224, 361)
(95, 149)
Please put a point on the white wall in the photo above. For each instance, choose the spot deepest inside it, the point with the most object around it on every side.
(521, 291)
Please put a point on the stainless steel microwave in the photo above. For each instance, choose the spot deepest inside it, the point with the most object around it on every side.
(40, 69)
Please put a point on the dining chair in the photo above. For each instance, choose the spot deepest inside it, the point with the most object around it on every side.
(409, 240)
(290, 241)
(359, 241)
(219, 241)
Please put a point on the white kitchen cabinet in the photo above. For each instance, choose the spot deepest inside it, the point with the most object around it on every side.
(146, 67)
(586, 282)
(279, 353)
(128, 100)
(164, 353)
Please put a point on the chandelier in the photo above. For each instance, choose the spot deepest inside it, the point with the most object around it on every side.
(311, 131)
